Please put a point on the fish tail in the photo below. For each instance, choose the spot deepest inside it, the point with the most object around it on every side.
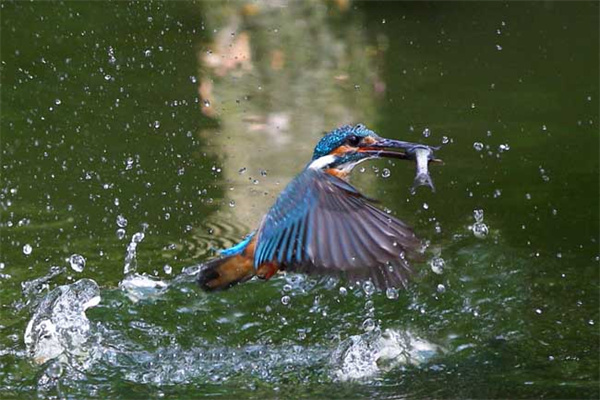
(422, 179)
(225, 272)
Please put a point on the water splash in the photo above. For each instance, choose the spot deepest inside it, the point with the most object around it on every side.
(139, 287)
(33, 288)
(131, 253)
(59, 325)
(364, 356)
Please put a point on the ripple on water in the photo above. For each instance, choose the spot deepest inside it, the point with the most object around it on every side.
(215, 235)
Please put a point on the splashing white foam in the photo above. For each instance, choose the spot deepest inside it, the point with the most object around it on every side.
(363, 356)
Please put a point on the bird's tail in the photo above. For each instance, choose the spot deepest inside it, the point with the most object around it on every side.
(225, 272)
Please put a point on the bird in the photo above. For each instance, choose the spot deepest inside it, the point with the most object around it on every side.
(322, 225)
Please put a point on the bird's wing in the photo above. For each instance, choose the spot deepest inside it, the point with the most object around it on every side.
(321, 224)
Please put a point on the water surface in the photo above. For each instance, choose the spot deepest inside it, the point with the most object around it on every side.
(144, 137)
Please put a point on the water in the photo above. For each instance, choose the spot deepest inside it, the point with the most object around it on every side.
(117, 176)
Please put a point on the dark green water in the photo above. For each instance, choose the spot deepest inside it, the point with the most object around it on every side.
(187, 119)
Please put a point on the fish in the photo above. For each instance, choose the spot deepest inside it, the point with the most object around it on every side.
(423, 155)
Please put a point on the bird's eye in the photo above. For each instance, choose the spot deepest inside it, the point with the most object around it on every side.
(353, 140)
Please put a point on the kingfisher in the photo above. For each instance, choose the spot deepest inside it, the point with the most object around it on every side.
(322, 225)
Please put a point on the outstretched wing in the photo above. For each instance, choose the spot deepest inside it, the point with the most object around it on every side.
(321, 224)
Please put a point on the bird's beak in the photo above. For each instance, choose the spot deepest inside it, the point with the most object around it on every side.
(420, 153)
(382, 147)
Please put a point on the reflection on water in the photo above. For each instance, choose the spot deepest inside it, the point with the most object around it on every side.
(215, 234)
(277, 76)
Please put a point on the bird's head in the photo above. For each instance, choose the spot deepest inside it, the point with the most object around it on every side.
(342, 149)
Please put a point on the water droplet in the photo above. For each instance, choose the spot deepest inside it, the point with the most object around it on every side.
(425, 206)
(77, 262)
(120, 233)
(156, 124)
(287, 288)
(426, 132)
(107, 77)
(138, 237)
(285, 300)
(55, 370)
(478, 146)
(111, 55)
(445, 140)
(368, 288)
(148, 52)
(27, 249)
(497, 193)
(368, 325)
(24, 222)
(356, 87)
(498, 47)
(386, 173)
(441, 288)
(503, 147)
(57, 102)
(391, 293)
(121, 221)
(478, 215)
(232, 203)
(538, 311)
(168, 269)
(343, 291)
(480, 230)
(528, 196)
(437, 265)
(129, 163)
(206, 103)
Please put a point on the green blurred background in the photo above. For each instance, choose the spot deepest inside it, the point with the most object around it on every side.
(186, 119)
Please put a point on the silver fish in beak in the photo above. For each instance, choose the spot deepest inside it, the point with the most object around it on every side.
(420, 153)
(423, 155)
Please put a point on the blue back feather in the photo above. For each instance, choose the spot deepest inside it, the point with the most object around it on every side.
(238, 248)
(284, 226)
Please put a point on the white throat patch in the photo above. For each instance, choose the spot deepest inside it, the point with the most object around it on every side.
(322, 162)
